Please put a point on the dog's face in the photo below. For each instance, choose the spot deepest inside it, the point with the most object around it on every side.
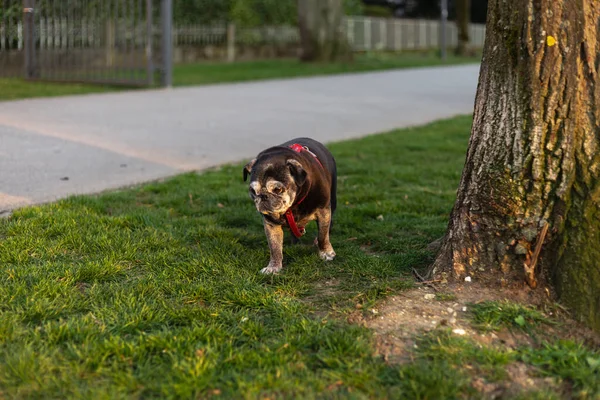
(274, 183)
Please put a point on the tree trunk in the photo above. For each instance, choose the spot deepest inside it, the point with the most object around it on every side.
(533, 161)
(321, 31)
(463, 17)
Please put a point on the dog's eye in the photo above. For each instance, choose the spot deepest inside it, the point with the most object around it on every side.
(277, 190)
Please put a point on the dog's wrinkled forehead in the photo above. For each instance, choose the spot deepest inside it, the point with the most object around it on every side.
(271, 169)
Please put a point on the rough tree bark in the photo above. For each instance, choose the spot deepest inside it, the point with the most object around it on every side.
(463, 17)
(321, 31)
(532, 172)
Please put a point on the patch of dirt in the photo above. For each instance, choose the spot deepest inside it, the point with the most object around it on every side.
(519, 381)
(416, 311)
(519, 375)
(400, 318)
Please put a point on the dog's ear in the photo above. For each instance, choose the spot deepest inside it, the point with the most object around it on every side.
(248, 169)
(298, 173)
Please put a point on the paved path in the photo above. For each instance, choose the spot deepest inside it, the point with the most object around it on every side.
(104, 141)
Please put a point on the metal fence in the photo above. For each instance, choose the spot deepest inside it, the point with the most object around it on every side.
(122, 41)
(364, 34)
(217, 34)
(104, 41)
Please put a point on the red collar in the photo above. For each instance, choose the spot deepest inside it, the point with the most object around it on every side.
(289, 216)
(298, 148)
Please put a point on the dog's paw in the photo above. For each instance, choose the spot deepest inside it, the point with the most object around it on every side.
(327, 255)
(271, 269)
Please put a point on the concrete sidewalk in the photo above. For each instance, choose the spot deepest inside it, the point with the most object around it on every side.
(52, 148)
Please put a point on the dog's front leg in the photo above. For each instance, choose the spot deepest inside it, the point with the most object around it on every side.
(324, 221)
(275, 238)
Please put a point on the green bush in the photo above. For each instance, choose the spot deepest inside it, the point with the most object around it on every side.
(378, 11)
(353, 7)
(246, 12)
(263, 12)
(201, 11)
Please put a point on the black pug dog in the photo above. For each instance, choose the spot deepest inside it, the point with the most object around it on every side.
(292, 184)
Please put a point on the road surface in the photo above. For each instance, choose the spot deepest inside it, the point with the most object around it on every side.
(53, 148)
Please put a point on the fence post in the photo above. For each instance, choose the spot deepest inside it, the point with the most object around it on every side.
(443, 29)
(367, 34)
(166, 18)
(350, 31)
(110, 39)
(397, 36)
(383, 34)
(391, 32)
(231, 42)
(20, 38)
(428, 33)
(417, 34)
(149, 43)
(29, 38)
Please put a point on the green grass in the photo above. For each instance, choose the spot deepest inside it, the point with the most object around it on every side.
(494, 315)
(572, 364)
(569, 361)
(196, 74)
(155, 291)
(15, 89)
(210, 73)
(444, 347)
(444, 296)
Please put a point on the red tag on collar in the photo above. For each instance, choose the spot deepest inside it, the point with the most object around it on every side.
(297, 147)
